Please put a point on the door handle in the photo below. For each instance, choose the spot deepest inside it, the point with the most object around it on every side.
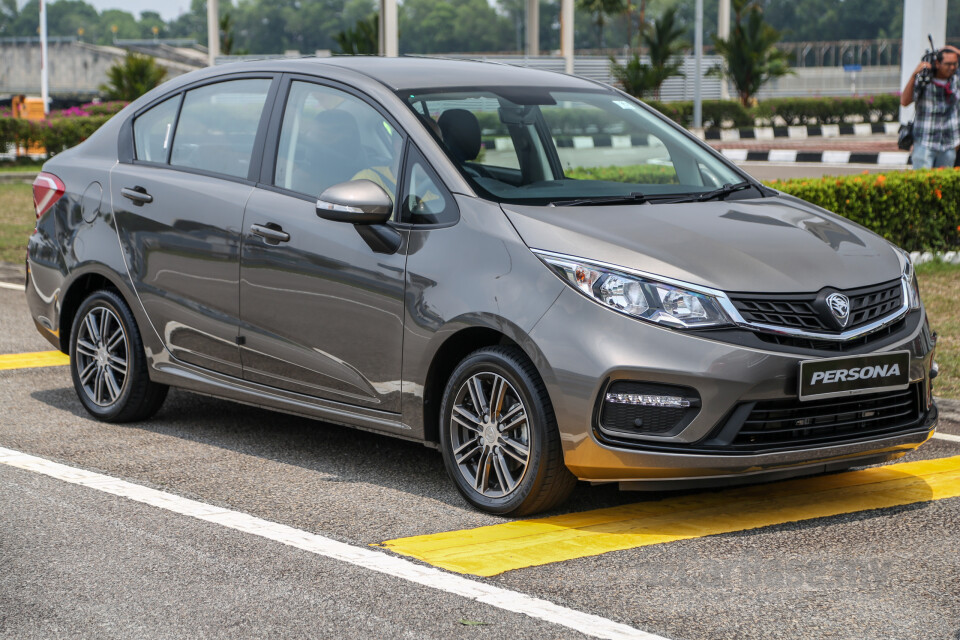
(139, 195)
(272, 233)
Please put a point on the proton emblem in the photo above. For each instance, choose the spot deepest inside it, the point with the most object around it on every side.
(839, 304)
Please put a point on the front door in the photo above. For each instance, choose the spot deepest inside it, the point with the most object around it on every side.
(322, 313)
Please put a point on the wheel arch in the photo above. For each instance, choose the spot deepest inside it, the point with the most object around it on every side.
(78, 290)
(457, 346)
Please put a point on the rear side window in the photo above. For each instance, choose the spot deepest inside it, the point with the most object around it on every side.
(153, 131)
(217, 126)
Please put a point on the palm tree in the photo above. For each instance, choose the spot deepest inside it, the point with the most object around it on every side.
(133, 77)
(600, 9)
(750, 55)
(663, 38)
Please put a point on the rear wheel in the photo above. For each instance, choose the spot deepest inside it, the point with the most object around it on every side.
(107, 362)
(499, 436)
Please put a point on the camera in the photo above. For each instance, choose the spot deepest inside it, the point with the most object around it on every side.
(932, 57)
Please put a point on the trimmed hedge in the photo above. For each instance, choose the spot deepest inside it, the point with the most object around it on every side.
(55, 134)
(638, 173)
(793, 111)
(917, 210)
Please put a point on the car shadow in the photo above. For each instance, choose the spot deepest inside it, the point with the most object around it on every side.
(348, 455)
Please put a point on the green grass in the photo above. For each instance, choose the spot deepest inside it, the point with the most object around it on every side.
(32, 167)
(17, 220)
(939, 283)
(940, 290)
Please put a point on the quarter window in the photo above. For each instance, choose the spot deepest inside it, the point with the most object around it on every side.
(426, 200)
(329, 136)
(217, 126)
(153, 131)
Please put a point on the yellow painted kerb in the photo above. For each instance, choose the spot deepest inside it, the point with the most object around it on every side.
(489, 551)
(33, 360)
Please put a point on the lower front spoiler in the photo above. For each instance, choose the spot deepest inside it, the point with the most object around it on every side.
(661, 471)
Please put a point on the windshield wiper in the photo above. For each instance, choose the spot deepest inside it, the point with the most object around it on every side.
(719, 193)
(633, 198)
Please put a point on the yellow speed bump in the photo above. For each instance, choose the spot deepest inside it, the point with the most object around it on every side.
(488, 551)
(33, 360)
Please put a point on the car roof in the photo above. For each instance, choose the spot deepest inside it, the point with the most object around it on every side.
(412, 72)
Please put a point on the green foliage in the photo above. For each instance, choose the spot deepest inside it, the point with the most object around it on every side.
(55, 134)
(599, 11)
(635, 77)
(636, 174)
(917, 210)
(664, 42)
(751, 59)
(792, 111)
(130, 79)
(795, 111)
(716, 113)
(364, 38)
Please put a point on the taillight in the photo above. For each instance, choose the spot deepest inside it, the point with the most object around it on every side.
(47, 189)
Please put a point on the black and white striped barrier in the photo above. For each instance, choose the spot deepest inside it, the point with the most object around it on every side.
(801, 132)
(882, 158)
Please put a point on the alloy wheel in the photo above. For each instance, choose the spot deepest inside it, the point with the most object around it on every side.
(101, 356)
(490, 434)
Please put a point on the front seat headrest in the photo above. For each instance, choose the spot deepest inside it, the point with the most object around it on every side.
(461, 133)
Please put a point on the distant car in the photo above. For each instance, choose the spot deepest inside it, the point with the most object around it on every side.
(535, 273)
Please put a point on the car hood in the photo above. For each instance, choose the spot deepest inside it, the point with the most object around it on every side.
(773, 244)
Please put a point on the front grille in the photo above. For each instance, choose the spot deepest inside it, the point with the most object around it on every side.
(801, 311)
(832, 345)
(778, 423)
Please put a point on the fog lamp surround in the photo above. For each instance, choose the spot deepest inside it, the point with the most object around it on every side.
(651, 298)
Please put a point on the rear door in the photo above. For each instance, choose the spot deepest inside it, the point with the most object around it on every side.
(178, 204)
(322, 312)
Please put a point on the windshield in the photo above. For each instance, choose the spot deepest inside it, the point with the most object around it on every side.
(543, 146)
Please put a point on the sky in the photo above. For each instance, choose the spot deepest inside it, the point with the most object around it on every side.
(168, 9)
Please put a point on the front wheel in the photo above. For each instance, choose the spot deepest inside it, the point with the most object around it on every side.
(499, 436)
(107, 362)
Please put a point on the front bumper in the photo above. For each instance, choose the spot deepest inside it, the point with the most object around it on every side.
(586, 347)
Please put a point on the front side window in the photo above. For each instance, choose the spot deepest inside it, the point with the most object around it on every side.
(329, 136)
(532, 145)
(217, 126)
(153, 131)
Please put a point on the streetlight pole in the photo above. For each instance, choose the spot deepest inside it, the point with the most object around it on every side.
(698, 55)
(213, 31)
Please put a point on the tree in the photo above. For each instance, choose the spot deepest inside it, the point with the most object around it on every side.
(133, 77)
(363, 39)
(600, 10)
(664, 40)
(750, 55)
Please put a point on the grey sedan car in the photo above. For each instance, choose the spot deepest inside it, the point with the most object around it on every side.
(534, 273)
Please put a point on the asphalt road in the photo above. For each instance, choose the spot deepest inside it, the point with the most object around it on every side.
(80, 563)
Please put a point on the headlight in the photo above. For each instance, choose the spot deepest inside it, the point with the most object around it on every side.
(639, 296)
(909, 278)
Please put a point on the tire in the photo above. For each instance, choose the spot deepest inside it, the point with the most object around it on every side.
(107, 362)
(505, 458)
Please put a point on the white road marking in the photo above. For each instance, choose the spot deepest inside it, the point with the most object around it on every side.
(378, 561)
(11, 285)
(947, 436)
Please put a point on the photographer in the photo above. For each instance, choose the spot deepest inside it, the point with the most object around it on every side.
(936, 127)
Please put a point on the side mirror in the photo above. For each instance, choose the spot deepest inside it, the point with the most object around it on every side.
(356, 202)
